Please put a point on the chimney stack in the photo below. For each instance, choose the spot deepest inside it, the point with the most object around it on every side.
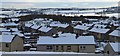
(77, 35)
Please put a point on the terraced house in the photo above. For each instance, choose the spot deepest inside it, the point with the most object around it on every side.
(66, 42)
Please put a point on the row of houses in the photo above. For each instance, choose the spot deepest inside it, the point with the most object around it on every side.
(102, 32)
(53, 36)
(65, 42)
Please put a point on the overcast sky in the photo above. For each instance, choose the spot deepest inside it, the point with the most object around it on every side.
(60, 0)
(57, 3)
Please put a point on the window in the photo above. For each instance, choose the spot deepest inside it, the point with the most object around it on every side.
(82, 47)
(7, 45)
(49, 47)
(57, 47)
(68, 47)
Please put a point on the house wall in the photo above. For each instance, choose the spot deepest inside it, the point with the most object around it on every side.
(117, 39)
(80, 32)
(114, 39)
(64, 48)
(109, 48)
(17, 44)
(104, 37)
(96, 35)
(49, 33)
(44, 48)
(33, 30)
(67, 29)
(27, 29)
(87, 49)
(4, 48)
(0, 20)
(99, 36)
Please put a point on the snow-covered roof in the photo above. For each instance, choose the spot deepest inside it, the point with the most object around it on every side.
(55, 22)
(104, 21)
(63, 25)
(66, 34)
(99, 30)
(60, 25)
(39, 19)
(10, 24)
(35, 27)
(118, 28)
(74, 22)
(13, 33)
(54, 25)
(6, 38)
(115, 46)
(116, 24)
(14, 19)
(45, 29)
(14, 29)
(86, 39)
(27, 45)
(28, 25)
(81, 27)
(115, 33)
(88, 25)
(46, 21)
(92, 19)
(66, 40)
(6, 33)
(99, 25)
(3, 16)
(95, 22)
(26, 36)
(20, 34)
(33, 48)
(27, 33)
(4, 29)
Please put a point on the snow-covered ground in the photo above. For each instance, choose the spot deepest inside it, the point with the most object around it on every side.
(78, 11)
(93, 14)
(36, 52)
(83, 12)
(11, 14)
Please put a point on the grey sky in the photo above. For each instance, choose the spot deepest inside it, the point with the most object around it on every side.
(57, 3)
